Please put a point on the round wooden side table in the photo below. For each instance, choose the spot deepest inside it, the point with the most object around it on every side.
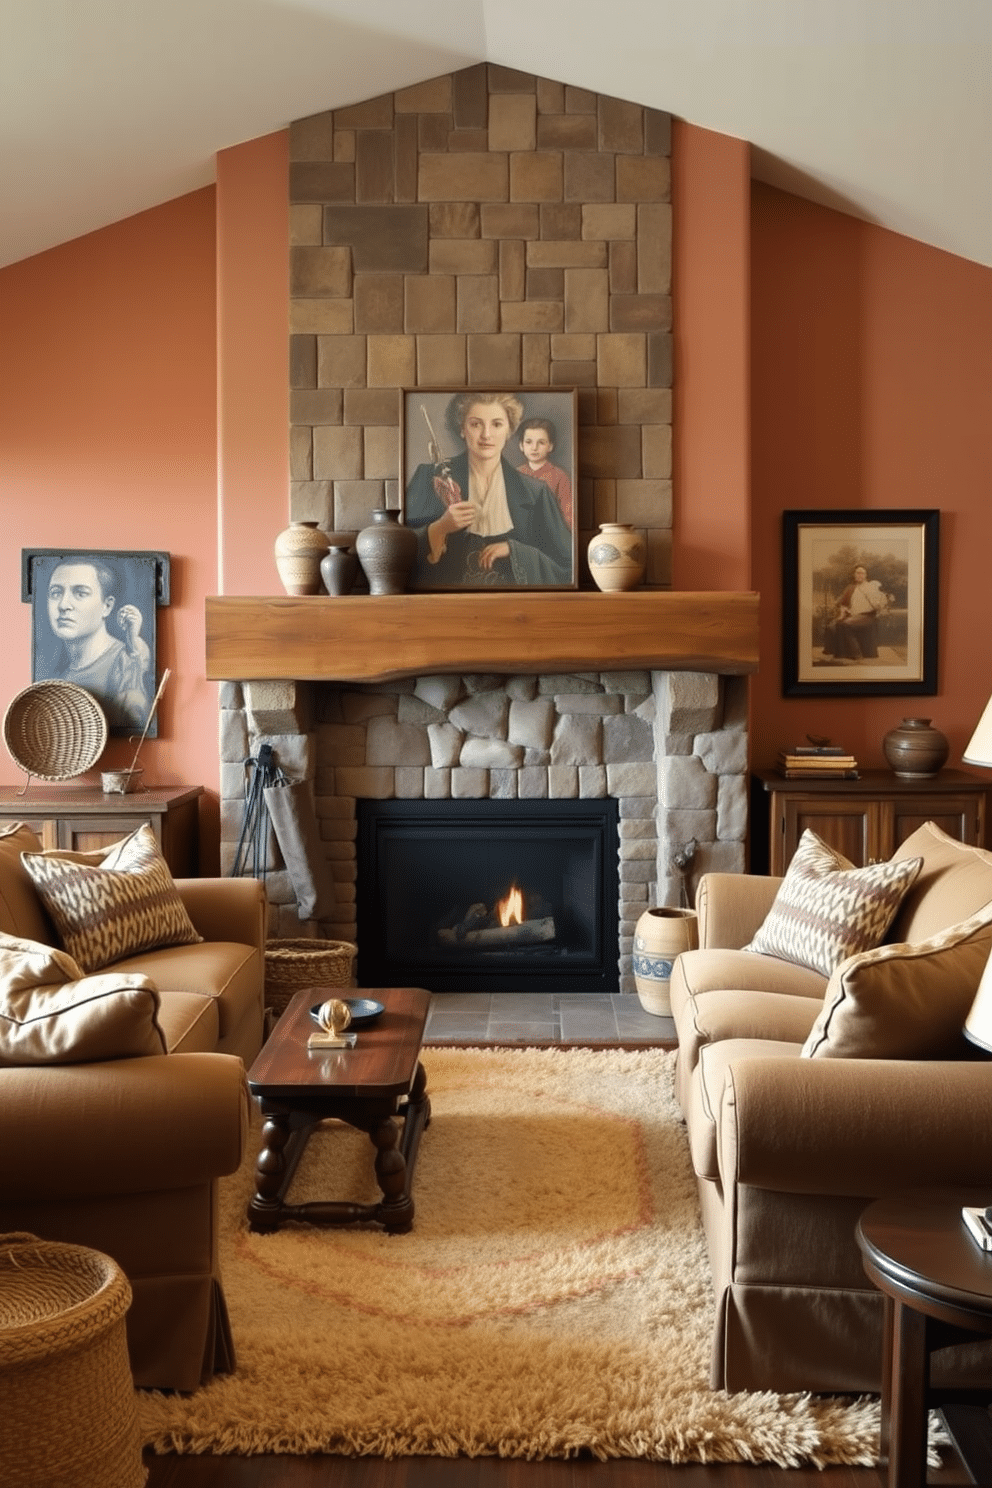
(937, 1285)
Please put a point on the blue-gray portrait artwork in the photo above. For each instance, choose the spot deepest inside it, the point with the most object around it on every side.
(93, 623)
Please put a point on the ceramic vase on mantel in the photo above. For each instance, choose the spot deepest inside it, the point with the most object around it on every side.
(915, 750)
(387, 552)
(339, 567)
(298, 551)
(618, 556)
(659, 936)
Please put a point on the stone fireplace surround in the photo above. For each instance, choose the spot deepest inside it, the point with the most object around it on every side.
(670, 746)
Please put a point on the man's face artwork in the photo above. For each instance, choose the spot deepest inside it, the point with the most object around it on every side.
(76, 605)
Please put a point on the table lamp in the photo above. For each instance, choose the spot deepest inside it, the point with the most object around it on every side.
(979, 750)
(978, 1024)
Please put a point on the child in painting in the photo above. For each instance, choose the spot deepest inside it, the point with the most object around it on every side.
(537, 438)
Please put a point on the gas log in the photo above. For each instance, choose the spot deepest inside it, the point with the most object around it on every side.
(501, 937)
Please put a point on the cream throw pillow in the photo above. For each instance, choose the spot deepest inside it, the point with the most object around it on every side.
(904, 1001)
(826, 909)
(51, 1014)
(111, 903)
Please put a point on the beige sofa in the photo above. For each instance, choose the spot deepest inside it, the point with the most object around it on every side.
(789, 1147)
(124, 1154)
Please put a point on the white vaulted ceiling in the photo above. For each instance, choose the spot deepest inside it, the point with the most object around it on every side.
(880, 108)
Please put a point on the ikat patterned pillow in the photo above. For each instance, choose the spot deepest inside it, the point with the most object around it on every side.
(826, 909)
(112, 903)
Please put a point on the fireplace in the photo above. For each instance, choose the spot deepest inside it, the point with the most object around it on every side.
(488, 895)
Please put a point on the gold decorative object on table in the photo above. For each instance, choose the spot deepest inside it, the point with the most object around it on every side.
(333, 1017)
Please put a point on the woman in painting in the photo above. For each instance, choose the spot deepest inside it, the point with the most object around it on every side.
(81, 601)
(480, 522)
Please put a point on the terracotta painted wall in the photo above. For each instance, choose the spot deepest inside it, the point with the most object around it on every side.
(710, 284)
(108, 439)
(871, 388)
(253, 361)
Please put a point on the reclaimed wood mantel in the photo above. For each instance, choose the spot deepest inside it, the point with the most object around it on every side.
(365, 638)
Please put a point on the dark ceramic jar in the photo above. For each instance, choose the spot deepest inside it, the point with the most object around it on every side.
(915, 750)
(387, 552)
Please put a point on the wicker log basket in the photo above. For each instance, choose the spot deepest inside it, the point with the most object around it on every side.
(292, 964)
(68, 1414)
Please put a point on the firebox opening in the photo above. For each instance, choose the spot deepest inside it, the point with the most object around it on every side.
(488, 895)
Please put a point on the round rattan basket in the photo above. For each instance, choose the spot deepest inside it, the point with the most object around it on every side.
(292, 964)
(54, 730)
(65, 1381)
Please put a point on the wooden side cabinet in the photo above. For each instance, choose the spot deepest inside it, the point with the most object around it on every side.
(865, 819)
(81, 818)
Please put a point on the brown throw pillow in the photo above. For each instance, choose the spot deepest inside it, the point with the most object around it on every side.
(904, 1001)
(826, 909)
(112, 903)
(51, 1014)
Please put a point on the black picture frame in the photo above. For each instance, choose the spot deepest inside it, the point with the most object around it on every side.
(883, 643)
(121, 591)
(431, 445)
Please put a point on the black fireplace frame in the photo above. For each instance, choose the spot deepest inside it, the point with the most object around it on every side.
(597, 819)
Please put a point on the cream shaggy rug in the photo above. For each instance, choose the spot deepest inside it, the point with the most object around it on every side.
(552, 1299)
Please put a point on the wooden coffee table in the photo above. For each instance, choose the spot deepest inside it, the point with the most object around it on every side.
(379, 1086)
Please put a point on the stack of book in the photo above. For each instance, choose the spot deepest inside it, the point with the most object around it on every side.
(817, 762)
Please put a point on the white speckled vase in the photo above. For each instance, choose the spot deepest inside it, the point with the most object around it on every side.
(298, 550)
(617, 556)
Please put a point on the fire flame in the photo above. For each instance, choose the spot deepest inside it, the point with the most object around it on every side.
(511, 909)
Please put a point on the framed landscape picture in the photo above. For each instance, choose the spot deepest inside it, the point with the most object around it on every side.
(93, 623)
(489, 480)
(859, 603)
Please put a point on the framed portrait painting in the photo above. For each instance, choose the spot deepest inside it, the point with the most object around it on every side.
(489, 487)
(93, 623)
(859, 603)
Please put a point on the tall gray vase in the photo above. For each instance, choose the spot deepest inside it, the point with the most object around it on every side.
(387, 552)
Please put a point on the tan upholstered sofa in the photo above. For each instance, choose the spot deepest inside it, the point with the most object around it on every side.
(791, 1137)
(124, 1154)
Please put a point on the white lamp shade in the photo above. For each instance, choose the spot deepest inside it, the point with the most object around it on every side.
(978, 1024)
(979, 750)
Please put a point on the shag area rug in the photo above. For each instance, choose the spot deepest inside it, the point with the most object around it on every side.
(552, 1299)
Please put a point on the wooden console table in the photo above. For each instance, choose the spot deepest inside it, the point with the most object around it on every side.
(81, 818)
(865, 819)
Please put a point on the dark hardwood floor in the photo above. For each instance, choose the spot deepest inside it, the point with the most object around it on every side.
(491, 1472)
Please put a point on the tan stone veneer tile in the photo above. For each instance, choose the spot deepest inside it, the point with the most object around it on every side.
(623, 268)
(430, 304)
(536, 176)
(305, 224)
(477, 302)
(456, 220)
(337, 453)
(589, 177)
(640, 312)
(374, 178)
(315, 405)
(612, 451)
(321, 181)
(621, 126)
(566, 132)
(654, 247)
(622, 360)
(532, 315)
(319, 271)
(470, 97)
(341, 361)
(550, 96)
(493, 359)
(587, 300)
(656, 450)
(609, 220)
(643, 178)
(473, 176)
(569, 254)
(646, 503)
(431, 97)
(536, 359)
(441, 361)
(312, 138)
(469, 255)
(382, 453)
(644, 405)
(370, 406)
(392, 361)
(373, 113)
(378, 302)
(510, 220)
(513, 271)
(513, 121)
(380, 236)
(322, 317)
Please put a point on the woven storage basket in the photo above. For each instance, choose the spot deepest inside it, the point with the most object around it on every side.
(68, 1415)
(292, 964)
(55, 730)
